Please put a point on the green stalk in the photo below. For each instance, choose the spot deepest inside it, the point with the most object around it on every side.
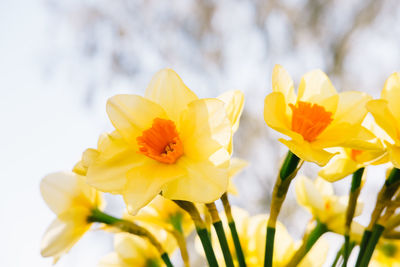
(232, 227)
(312, 238)
(129, 227)
(212, 209)
(376, 234)
(287, 172)
(351, 208)
(364, 242)
(201, 230)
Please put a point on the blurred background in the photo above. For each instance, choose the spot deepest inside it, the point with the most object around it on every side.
(61, 60)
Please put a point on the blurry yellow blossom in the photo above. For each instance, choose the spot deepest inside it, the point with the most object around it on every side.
(349, 160)
(168, 141)
(236, 165)
(131, 250)
(72, 200)
(386, 254)
(386, 112)
(318, 117)
(318, 197)
(252, 230)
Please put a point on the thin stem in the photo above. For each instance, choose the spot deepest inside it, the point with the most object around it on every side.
(129, 227)
(180, 239)
(376, 234)
(232, 227)
(312, 238)
(201, 230)
(220, 233)
(288, 171)
(363, 245)
(338, 254)
(351, 208)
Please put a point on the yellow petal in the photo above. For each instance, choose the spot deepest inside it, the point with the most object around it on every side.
(145, 183)
(325, 188)
(338, 169)
(394, 153)
(64, 190)
(204, 183)
(132, 114)
(315, 87)
(384, 117)
(108, 171)
(64, 232)
(307, 194)
(316, 257)
(391, 93)
(234, 102)
(168, 90)
(204, 129)
(113, 260)
(88, 156)
(275, 115)
(351, 107)
(283, 83)
(305, 151)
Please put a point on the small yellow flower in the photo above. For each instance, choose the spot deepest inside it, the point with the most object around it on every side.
(318, 197)
(318, 117)
(168, 141)
(72, 200)
(386, 112)
(386, 254)
(252, 231)
(131, 250)
(349, 160)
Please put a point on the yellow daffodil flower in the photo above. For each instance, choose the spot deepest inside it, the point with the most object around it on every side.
(350, 160)
(318, 197)
(131, 250)
(72, 200)
(318, 117)
(386, 112)
(168, 141)
(386, 254)
(252, 231)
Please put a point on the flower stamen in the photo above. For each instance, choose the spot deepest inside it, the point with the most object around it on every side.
(161, 142)
(309, 119)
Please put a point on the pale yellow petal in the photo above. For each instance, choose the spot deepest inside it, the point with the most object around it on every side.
(234, 102)
(113, 260)
(352, 107)
(204, 129)
(87, 158)
(64, 232)
(107, 172)
(305, 151)
(204, 183)
(316, 257)
(168, 90)
(275, 115)
(338, 169)
(307, 194)
(132, 114)
(144, 182)
(384, 117)
(314, 87)
(391, 93)
(325, 188)
(64, 190)
(283, 83)
(394, 154)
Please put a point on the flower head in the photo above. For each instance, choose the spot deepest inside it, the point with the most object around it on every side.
(386, 112)
(167, 142)
(72, 200)
(318, 117)
(386, 254)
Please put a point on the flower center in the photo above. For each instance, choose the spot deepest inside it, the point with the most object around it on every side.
(161, 142)
(309, 120)
(355, 153)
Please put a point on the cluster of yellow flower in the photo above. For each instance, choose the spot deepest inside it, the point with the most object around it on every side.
(170, 157)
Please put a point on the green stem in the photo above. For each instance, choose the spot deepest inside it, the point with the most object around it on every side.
(205, 241)
(346, 248)
(223, 243)
(376, 234)
(232, 227)
(269, 247)
(287, 172)
(312, 238)
(364, 242)
(129, 227)
(338, 254)
(393, 177)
